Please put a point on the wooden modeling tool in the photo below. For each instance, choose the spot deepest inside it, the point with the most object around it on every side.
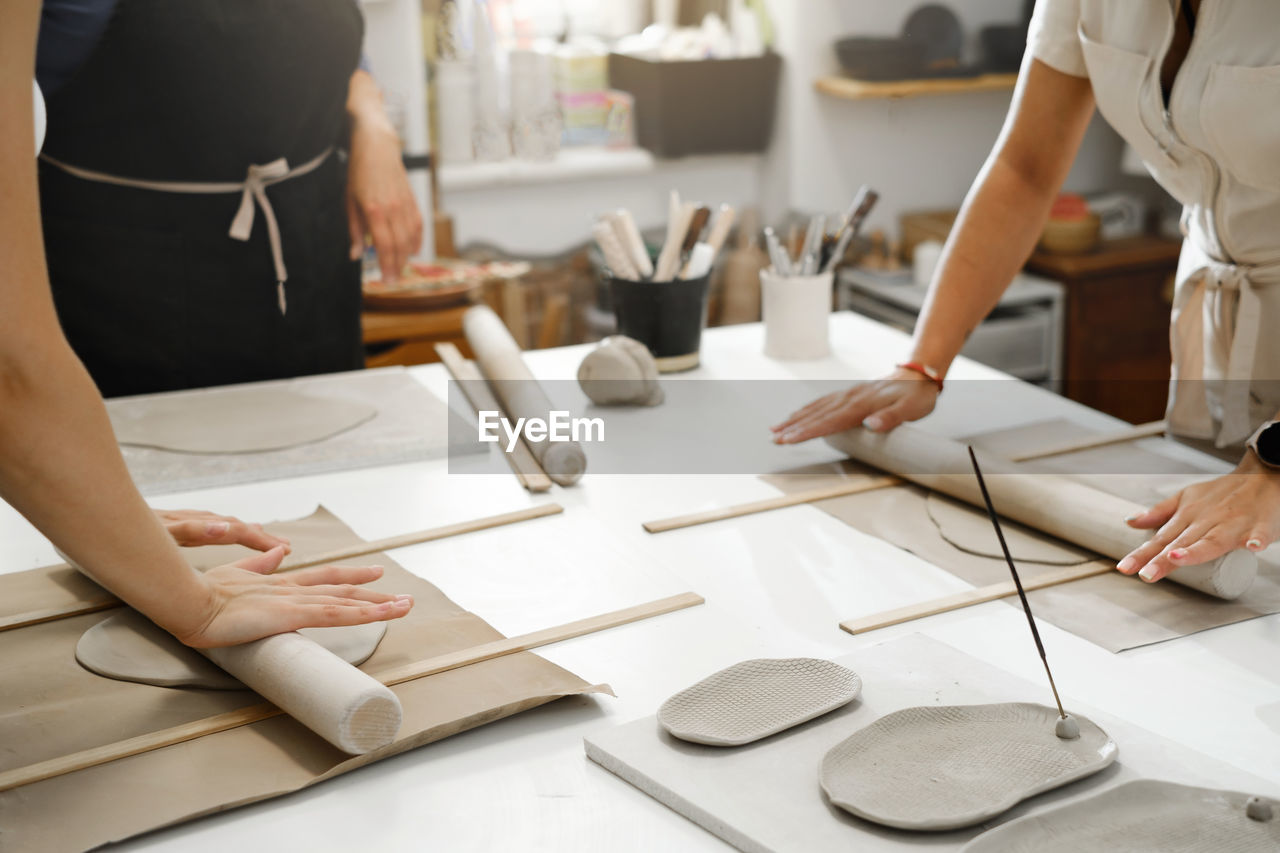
(632, 243)
(852, 224)
(1067, 727)
(701, 215)
(615, 253)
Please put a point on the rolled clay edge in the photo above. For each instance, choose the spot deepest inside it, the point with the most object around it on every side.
(348, 708)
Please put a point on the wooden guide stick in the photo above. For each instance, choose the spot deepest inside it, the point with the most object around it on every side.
(477, 391)
(969, 597)
(1132, 434)
(406, 539)
(80, 608)
(87, 758)
(851, 488)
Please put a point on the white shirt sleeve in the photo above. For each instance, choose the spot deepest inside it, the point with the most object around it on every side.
(1053, 39)
(37, 103)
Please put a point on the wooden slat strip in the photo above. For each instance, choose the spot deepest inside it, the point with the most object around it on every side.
(87, 758)
(476, 390)
(969, 597)
(1132, 434)
(852, 487)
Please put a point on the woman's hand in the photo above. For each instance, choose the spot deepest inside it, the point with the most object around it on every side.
(1205, 521)
(245, 601)
(193, 527)
(380, 201)
(903, 395)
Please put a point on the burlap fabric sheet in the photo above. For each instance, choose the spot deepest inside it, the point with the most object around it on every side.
(50, 706)
(1114, 611)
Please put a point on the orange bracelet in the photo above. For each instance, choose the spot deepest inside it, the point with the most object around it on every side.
(925, 371)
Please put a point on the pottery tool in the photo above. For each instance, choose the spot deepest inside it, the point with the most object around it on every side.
(1066, 727)
(107, 601)
(851, 224)
(519, 392)
(778, 256)
(810, 251)
(1070, 510)
(1146, 430)
(970, 597)
(701, 215)
(63, 765)
(668, 260)
(615, 255)
(629, 235)
(853, 487)
(704, 253)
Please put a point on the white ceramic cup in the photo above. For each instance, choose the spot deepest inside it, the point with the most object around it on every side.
(925, 260)
(797, 313)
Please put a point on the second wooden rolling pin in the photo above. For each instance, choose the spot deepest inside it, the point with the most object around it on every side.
(1072, 511)
(521, 396)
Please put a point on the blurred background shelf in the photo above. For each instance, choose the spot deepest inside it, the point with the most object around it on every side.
(863, 90)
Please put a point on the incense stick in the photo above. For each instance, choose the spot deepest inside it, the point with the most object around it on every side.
(1017, 582)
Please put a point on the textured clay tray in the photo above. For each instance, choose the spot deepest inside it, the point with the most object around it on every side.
(1146, 816)
(953, 766)
(757, 698)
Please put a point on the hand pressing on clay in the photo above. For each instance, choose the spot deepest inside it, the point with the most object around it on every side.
(192, 527)
(246, 602)
(1205, 521)
(903, 395)
(380, 201)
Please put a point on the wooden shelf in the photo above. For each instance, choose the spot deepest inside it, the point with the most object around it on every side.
(862, 90)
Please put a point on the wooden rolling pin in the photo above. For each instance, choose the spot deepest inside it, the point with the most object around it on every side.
(350, 709)
(521, 396)
(1072, 511)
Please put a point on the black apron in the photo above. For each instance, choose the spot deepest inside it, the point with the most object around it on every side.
(151, 291)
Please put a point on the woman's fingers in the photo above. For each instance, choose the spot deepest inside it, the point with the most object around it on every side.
(193, 528)
(1157, 515)
(264, 563)
(332, 614)
(331, 575)
(355, 227)
(804, 412)
(1259, 538)
(1192, 551)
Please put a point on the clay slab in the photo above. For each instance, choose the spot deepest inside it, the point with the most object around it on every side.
(765, 796)
(952, 766)
(969, 529)
(129, 647)
(757, 698)
(1147, 816)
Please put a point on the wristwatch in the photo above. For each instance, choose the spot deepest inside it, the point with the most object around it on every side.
(1265, 444)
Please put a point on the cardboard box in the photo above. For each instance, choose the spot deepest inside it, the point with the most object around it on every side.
(707, 106)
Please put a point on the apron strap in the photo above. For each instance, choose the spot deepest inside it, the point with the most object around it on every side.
(253, 194)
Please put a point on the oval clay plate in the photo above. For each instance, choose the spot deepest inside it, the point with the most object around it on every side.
(953, 766)
(1146, 816)
(757, 698)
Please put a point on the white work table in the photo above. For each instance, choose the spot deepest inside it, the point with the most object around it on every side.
(776, 585)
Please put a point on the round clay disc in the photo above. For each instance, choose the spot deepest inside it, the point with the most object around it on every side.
(128, 646)
(970, 530)
(235, 420)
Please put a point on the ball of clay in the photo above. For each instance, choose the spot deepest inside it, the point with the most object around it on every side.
(1067, 728)
(1259, 809)
(620, 372)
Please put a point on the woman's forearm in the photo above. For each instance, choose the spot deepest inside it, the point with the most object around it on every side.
(1005, 211)
(60, 468)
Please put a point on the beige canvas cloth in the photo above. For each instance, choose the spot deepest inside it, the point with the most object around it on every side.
(1114, 611)
(51, 706)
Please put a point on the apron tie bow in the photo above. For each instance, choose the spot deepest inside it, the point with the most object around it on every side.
(253, 193)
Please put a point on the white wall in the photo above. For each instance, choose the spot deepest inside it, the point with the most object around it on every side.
(919, 153)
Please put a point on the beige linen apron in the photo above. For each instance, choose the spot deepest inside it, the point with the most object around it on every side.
(1216, 149)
